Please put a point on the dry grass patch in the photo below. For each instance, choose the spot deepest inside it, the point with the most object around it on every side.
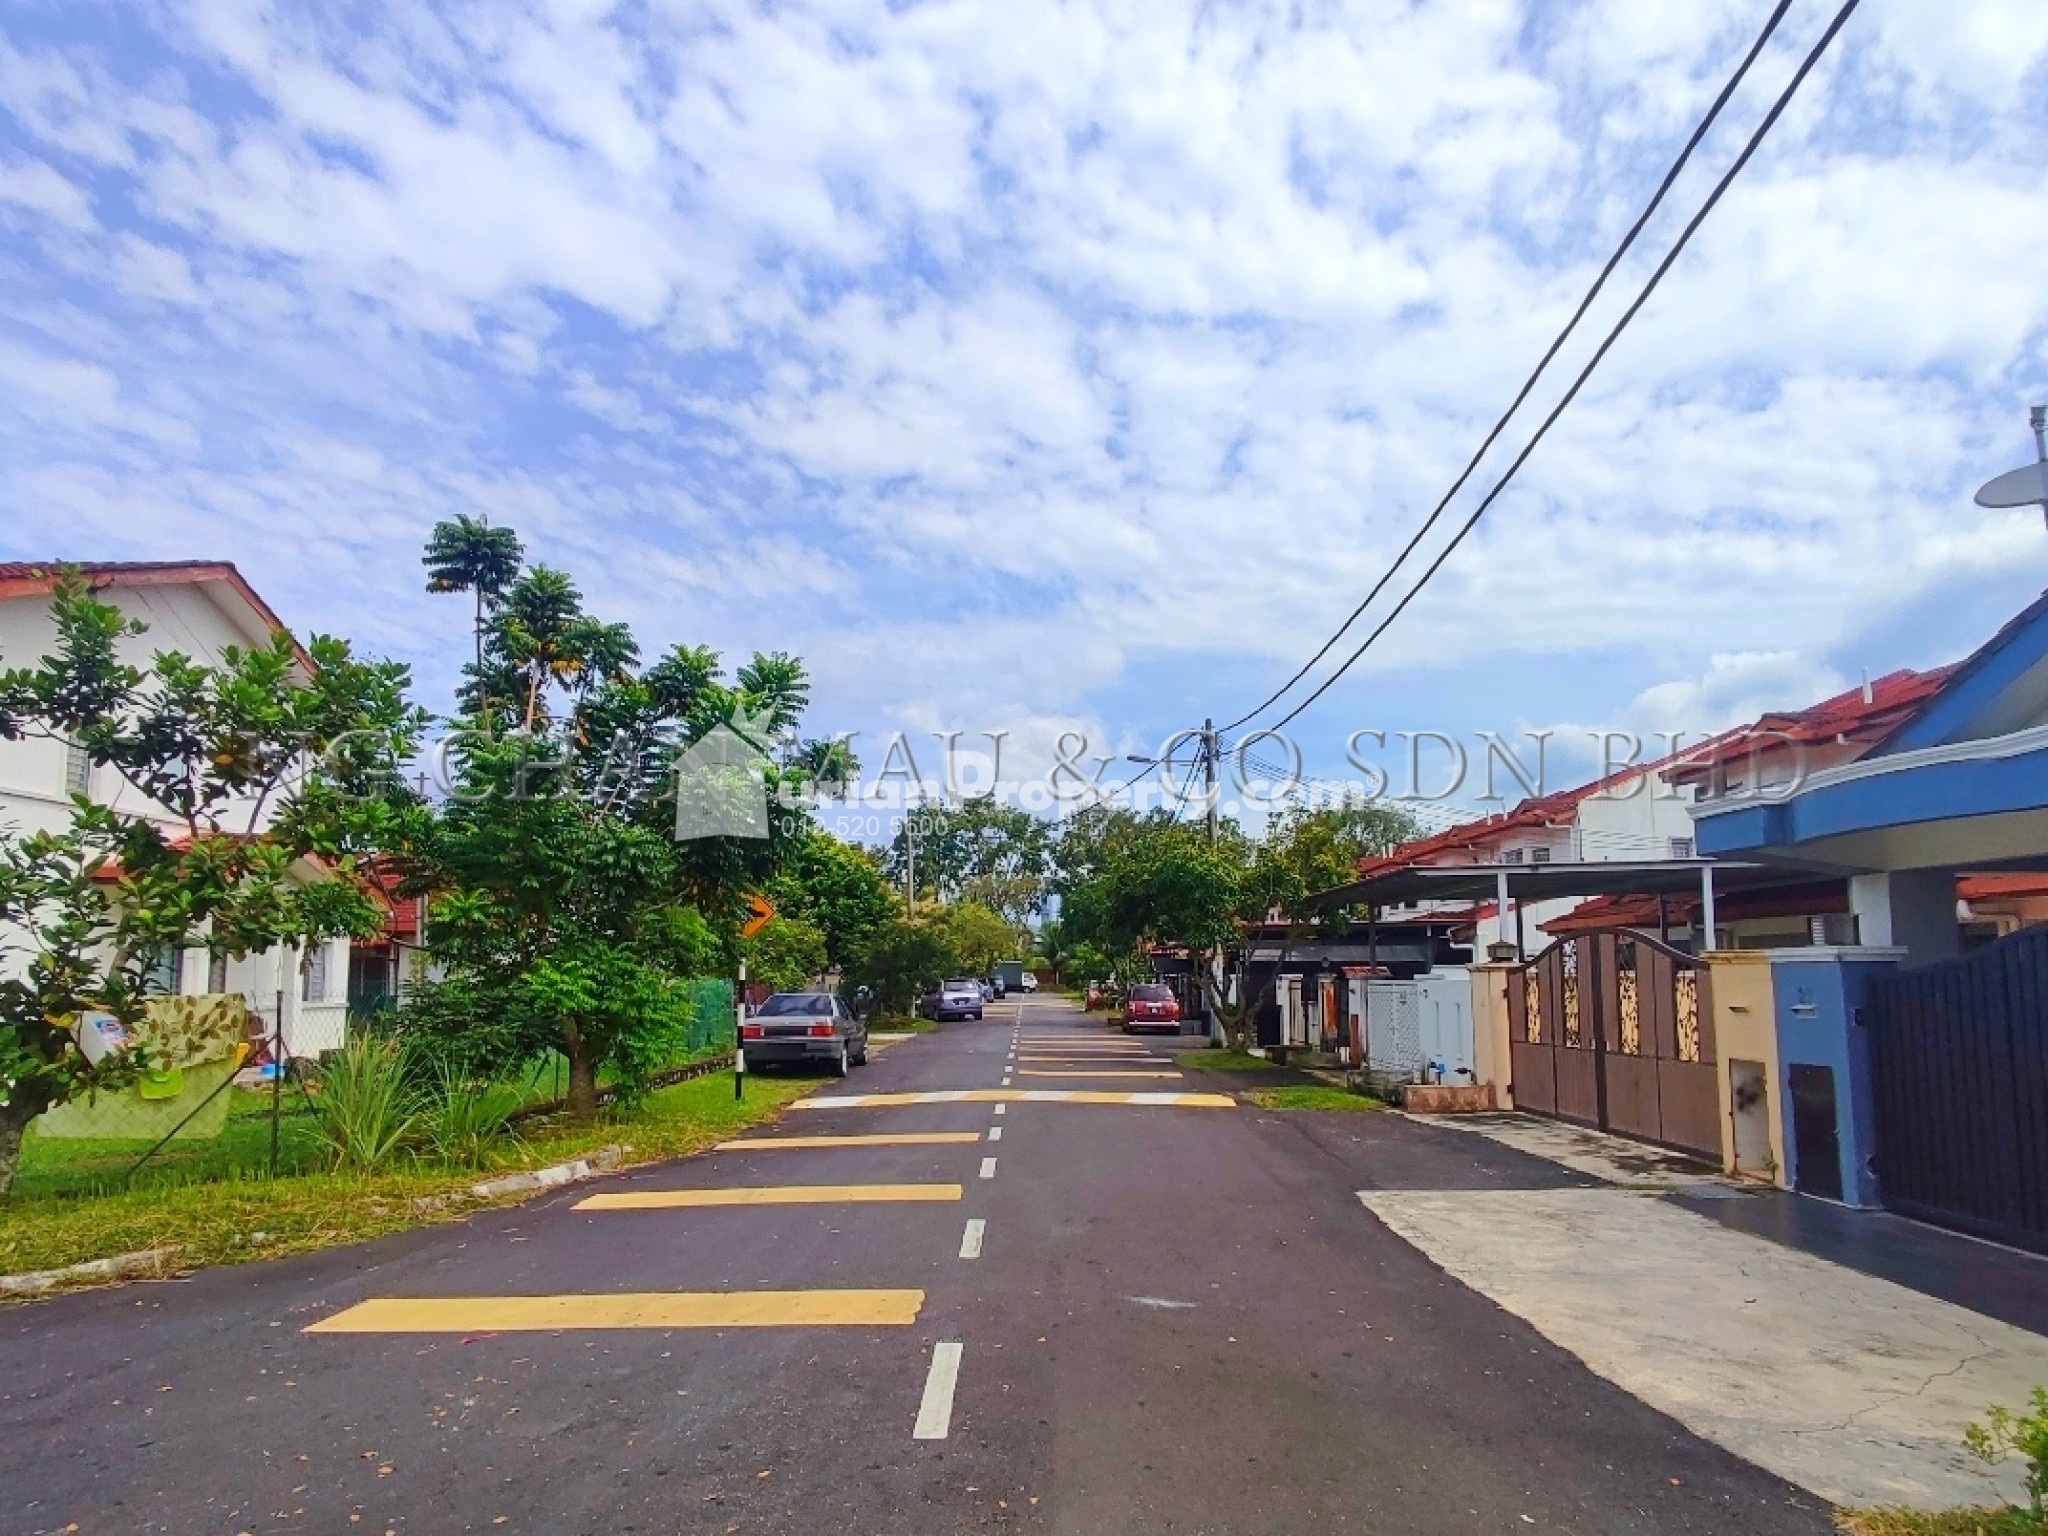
(1947, 1522)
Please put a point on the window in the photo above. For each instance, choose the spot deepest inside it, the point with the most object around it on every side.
(313, 976)
(1512, 856)
(77, 770)
(1681, 847)
(1151, 992)
(1539, 855)
(166, 972)
(783, 1005)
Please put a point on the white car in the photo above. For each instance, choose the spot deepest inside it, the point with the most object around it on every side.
(1028, 982)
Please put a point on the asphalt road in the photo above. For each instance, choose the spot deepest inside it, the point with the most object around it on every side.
(1179, 1319)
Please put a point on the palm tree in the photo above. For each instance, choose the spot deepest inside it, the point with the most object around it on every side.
(1053, 945)
(468, 555)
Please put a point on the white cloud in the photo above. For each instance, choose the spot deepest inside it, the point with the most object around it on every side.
(33, 185)
(1043, 364)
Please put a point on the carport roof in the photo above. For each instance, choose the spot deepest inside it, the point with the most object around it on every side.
(1544, 882)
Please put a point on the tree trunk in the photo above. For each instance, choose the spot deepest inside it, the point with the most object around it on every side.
(14, 1119)
(582, 1078)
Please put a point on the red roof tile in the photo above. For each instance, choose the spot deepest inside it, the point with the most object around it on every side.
(1551, 810)
(1860, 716)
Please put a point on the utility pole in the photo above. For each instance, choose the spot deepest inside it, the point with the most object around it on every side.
(910, 866)
(1209, 751)
(1212, 962)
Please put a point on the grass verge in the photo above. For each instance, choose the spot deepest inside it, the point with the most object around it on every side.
(1318, 1096)
(234, 1219)
(903, 1024)
(1946, 1522)
(1211, 1059)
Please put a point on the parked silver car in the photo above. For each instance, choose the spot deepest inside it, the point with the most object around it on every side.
(815, 1027)
(960, 998)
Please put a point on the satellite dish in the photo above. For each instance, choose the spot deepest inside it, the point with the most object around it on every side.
(2028, 485)
(2023, 487)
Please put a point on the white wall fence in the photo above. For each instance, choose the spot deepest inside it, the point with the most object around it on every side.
(1420, 1028)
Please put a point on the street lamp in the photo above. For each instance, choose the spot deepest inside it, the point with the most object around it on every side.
(1207, 750)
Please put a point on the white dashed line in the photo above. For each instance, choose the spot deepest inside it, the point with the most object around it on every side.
(988, 1167)
(935, 1413)
(970, 1240)
(995, 1133)
(1001, 1107)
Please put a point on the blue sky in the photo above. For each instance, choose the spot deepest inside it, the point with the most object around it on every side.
(1040, 367)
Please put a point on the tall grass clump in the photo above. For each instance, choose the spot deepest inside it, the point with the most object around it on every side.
(366, 1106)
(462, 1118)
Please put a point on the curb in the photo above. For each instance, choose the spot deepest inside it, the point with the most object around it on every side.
(121, 1266)
(603, 1160)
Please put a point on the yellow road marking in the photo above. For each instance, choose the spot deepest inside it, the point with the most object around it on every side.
(1021, 1096)
(774, 1194)
(627, 1309)
(1105, 1072)
(893, 1139)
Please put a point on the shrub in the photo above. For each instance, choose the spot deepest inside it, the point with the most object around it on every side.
(462, 1117)
(365, 1106)
(2026, 1434)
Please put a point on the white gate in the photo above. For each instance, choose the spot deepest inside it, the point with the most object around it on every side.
(1443, 1008)
(1393, 1039)
(1423, 1023)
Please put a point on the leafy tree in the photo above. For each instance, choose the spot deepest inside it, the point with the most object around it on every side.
(786, 955)
(996, 855)
(977, 937)
(258, 762)
(831, 765)
(901, 959)
(837, 887)
(1130, 880)
(561, 876)
(1053, 947)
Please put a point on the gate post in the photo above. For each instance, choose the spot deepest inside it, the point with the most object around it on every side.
(1746, 1033)
(1492, 1061)
(1817, 994)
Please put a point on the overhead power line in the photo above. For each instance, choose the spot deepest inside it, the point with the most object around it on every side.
(1628, 240)
(1749, 150)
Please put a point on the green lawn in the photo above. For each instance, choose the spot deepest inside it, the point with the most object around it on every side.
(1948, 1522)
(1312, 1096)
(1210, 1059)
(70, 1205)
(902, 1024)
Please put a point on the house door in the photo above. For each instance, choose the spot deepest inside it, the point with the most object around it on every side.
(1816, 1138)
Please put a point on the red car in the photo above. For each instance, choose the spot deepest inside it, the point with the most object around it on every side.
(1151, 1006)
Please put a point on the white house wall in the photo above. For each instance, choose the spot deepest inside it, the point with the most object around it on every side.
(33, 795)
(180, 618)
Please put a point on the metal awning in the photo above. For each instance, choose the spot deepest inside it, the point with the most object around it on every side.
(1548, 882)
(1348, 952)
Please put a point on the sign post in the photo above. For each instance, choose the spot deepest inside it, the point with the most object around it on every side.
(739, 1034)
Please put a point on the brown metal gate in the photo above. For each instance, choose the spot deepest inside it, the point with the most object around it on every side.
(1613, 1029)
(1959, 1062)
